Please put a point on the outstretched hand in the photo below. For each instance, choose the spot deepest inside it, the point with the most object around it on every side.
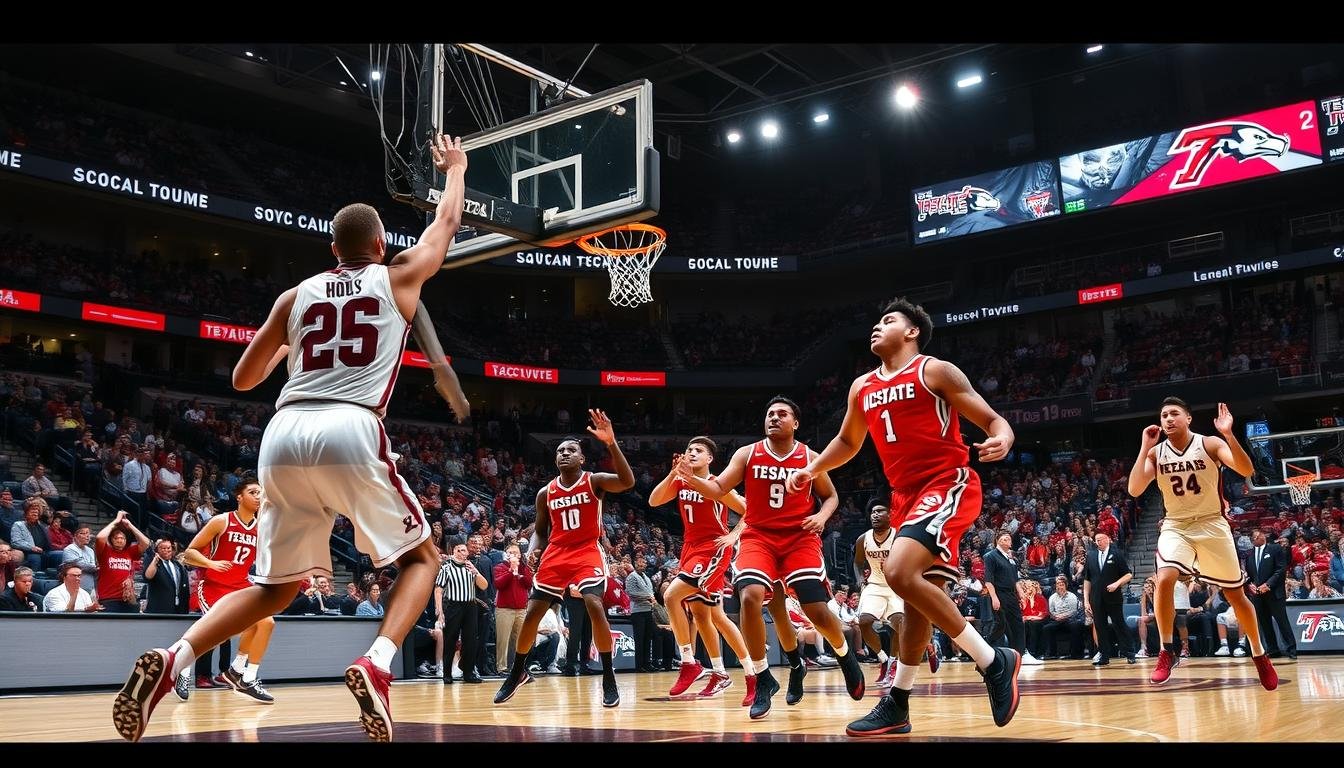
(447, 153)
(601, 427)
(1223, 422)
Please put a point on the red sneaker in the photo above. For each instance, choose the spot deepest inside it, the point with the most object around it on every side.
(717, 683)
(934, 662)
(751, 691)
(1166, 661)
(882, 670)
(204, 681)
(889, 679)
(1265, 669)
(151, 678)
(222, 681)
(689, 674)
(369, 685)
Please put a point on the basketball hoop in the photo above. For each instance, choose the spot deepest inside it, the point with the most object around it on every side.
(1299, 488)
(631, 250)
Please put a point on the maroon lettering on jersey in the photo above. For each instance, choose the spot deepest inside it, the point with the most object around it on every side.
(703, 520)
(917, 433)
(575, 511)
(769, 503)
(236, 544)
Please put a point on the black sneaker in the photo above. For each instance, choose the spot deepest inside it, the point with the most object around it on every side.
(231, 678)
(510, 687)
(853, 675)
(1001, 682)
(766, 686)
(611, 695)
(796, 675)
(889, 716)
(254, 691)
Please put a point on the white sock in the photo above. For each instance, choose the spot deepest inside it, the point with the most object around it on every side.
(843, 649)
(381, 652)
(759, 666)
(1222, 643)
(882, 656)
(185, 656)
(905, 676)
(239, 663)
(716, 663)
(975, 646)
(250, 672)
(687, 654)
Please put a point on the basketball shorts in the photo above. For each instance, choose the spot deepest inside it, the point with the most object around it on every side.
(706, 569)
(937, 515)
(878, 601)
(563, 567)
(320, 460)
(1201, 546)
(793, 557)
(208, 593)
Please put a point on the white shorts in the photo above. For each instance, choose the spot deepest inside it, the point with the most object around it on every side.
(878, 601)
(318, 460)
(1201, 546)
(1228, 618)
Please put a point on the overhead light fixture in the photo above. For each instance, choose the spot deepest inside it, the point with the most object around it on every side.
(376, 75)
(770, 129)
(821, 117)
(249, 54)
(969, 80)
(734, 137)
(578, 126)
(906, 98)
(1095, 48)
(72, 335)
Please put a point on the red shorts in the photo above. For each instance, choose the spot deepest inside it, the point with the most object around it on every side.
(937, 515)
(209, 593)
(560, 569)
(706, 568)
(766, 556)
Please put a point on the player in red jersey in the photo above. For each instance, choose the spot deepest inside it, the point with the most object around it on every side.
(781, 546)
(225, 550)
(909, 405)
(569, 528)
(706, 552)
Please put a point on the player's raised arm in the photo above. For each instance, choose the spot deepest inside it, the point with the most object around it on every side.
(423, 260)
(1228, 451)
(268, 347)
(718, 487)
(1145, 468)
(843, 447)
(948, 382)
(624, 479)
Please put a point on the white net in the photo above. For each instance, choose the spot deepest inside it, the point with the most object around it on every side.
(1299, 489)
(630, 250)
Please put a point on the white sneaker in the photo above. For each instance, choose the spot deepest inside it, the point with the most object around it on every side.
(826, 660)
(553, 670)
(1030, 660)
(1097, 657)
(1142, 654)
(1223, 650)
(1241, 651)
(457, 673)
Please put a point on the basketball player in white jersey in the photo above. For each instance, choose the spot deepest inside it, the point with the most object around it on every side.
(325, 452)
(878, 601)
(1195, 538)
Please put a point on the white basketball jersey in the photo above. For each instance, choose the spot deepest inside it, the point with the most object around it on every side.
(346, 337)
(1190, 480)
(877, 554)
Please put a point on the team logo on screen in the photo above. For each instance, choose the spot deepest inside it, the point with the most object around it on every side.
(1037, 202)
(957, 203)
(1319, 622)
(1333, 109)
(1206, 143)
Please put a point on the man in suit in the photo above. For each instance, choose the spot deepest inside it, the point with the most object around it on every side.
(1266, 565)
(168, 580)
(1001, 579)
(1106, 575)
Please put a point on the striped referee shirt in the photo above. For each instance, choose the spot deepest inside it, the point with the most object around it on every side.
(458, 583)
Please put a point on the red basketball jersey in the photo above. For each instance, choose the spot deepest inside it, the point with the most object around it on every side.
(703, 520)
(916, 433)
(576, 512)
(770, 506)
(237, 544)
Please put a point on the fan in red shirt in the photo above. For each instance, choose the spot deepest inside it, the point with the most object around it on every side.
(117, 561)
(909, 405)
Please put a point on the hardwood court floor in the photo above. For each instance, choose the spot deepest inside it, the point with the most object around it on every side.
(1208, 699)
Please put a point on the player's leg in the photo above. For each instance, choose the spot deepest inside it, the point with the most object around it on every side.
(540, 602)
(1219, 564)
(681, 632)
(597, 614)
(242, 675)
(892, 712)
(703, 614)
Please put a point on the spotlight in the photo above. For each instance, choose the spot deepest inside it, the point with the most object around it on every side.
(906, 98)
(734, 137)
(1095, 48)
(820, 117)
(770, 129)
(969, 80)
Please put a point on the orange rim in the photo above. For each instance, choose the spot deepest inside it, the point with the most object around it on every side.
(590, 244)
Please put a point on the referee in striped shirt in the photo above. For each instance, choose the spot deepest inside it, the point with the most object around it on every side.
(455, 594)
